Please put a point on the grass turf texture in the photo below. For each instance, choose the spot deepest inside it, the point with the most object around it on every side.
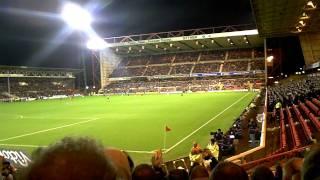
(134, 123)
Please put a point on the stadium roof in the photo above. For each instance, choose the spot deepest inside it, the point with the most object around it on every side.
(283, 18)
(215, 38)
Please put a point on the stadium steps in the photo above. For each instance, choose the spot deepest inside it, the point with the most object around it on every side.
(294, 132)
(305, 127)
(316, 101)
(313, 107)
(310, 115)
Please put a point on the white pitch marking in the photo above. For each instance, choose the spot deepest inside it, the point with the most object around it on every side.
(36, 146)
(50, 129)
(183, 139)
(22, 145)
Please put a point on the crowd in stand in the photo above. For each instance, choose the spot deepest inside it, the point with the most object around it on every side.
(207, 68)
(295, 90)
(182, 84)
(257, 65)
(161, 64)
(213, 55)
(181, 69)
(84, 158)
(240, 54)
(36, 87)
(186, 57)
(235, 66)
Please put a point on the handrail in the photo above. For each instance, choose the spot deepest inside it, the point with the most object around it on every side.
(273, 157)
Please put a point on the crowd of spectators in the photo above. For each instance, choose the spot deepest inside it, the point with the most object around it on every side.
(36, 87)
(257, 65)
(212, 55)
(181, 69)
(186, 57)
(240, 54)
(140, 60)
(235, 66)
(163, 69)
(61, 161)
(207, 68)
(289, 93)
(128, 72)
(157, 70)
(161, 59)
(182, 84)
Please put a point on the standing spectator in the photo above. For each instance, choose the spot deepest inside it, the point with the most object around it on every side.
(195, 154)
(252, 132)
(214, 148)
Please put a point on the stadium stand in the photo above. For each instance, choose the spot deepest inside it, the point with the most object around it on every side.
(36, 82)
(212, 55)
(189, 65)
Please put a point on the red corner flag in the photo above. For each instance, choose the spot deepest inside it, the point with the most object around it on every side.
(167, 129)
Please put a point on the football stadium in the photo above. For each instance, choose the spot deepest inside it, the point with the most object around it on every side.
(211, 102)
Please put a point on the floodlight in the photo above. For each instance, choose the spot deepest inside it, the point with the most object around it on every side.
(76, 17)
(311, 5)
(304, 16)
(270, 59)
(302, 23)
(96, 43)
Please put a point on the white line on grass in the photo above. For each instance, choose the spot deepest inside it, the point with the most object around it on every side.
(36, 146)
(193, 132)
(50, 129)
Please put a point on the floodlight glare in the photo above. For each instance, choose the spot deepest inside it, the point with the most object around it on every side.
(270, 58)
(76, 17)
(96, 43)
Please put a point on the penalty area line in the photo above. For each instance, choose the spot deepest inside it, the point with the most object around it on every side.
(50, 129)
(206, 123)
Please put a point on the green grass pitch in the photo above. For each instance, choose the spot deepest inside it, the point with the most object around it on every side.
(133, 123)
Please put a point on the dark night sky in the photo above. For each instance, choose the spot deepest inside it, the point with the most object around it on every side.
(28, 27)
(26, 37)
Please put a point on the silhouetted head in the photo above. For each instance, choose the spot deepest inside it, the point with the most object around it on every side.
(311, 165)
(262, 173)
(144, 172)
(178, 174)
(72, 158)
(228, 171)
(199, 172)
